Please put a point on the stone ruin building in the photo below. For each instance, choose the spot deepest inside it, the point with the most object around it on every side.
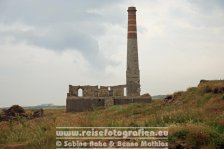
(95, 96)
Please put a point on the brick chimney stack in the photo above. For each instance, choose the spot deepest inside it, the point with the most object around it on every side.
(132, 73)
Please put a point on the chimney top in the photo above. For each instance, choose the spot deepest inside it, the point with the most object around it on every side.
(132, 8)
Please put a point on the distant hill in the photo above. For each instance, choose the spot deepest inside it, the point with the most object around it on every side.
(45, 106)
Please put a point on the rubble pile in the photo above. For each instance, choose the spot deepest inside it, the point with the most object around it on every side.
(16, 112)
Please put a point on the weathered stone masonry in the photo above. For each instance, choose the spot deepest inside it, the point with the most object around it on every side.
(132, 73)
(97, 91)
(95, 96)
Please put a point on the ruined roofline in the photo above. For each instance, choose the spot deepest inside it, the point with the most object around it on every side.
(96, 91)
(122, 85)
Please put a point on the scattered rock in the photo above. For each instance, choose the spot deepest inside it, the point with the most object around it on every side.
(212, 86)
(38, 113)
(13, 113)
(204, 81)
(214, 90)
(16, 111)
(174, 98)
(168, 97)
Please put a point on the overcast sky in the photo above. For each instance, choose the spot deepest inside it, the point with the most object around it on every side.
(47, 45)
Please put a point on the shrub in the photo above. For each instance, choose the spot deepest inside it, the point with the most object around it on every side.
(182, 134)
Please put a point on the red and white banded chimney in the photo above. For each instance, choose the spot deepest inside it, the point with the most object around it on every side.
(132, 73)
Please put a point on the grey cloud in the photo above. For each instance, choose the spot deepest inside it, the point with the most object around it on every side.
(60, 39)
(200, 14)
(207, 7)
(53, 11)
(70, 25)
(187, 41)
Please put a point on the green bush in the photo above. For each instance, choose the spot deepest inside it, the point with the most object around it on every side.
(182, 134)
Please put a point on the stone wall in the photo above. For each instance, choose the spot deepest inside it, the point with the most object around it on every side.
(103, 91)
(126, 100)
(79, 104)
(95, 91)
(118, 90)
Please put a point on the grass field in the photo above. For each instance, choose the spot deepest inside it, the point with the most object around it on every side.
(195, 119)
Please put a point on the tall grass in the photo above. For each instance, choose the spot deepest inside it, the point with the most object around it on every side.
(195, 118)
